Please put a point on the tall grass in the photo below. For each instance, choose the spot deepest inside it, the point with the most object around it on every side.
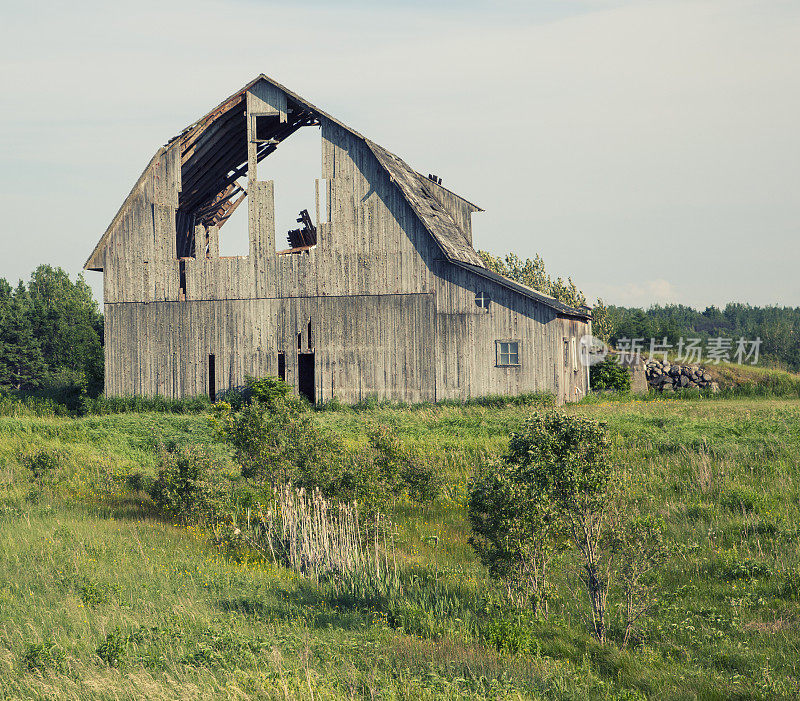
(134, 404)
(30, 406)
(324, 540)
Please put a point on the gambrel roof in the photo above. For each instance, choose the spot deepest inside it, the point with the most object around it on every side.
(213, 156)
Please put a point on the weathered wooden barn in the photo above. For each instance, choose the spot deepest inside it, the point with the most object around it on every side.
(380, 294)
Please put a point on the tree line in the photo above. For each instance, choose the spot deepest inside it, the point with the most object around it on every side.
(777, 327)
(51, 337)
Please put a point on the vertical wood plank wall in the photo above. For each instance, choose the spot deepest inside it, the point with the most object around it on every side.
(390, 317)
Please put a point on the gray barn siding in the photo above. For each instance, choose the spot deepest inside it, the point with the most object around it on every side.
(390, 316)
(466, 337)
(357, 352)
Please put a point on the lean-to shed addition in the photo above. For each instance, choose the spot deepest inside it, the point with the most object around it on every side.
(379, 293)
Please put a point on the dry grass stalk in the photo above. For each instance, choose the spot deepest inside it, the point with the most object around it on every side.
(322, 539)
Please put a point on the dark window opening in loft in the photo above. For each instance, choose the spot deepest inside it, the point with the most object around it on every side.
(212, 378)
(184, 235)
(282, 366)
(300, 340)
(310, 337)
(482, 300)
(507, 353)
(265, 126)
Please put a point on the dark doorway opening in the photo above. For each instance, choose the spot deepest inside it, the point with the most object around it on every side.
(282, 366)
(212, 378)
(305, 376)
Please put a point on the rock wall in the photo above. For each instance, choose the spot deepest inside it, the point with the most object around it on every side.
(668, 377)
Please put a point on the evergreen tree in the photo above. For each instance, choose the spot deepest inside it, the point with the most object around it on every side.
(65, 319)
(22, 364)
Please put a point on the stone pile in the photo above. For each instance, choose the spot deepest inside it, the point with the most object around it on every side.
(668, 377)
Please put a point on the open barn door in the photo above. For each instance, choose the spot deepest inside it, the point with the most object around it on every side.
(306, 382)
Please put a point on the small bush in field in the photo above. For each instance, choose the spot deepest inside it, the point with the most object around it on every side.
(400, 470)
(610, 375)
(95, 594)
(44, 655)
(509, 637)
(114, 648)
(188, 487)
(791, 584)
(514, 529)
(267, 390)
(137, 482)
(44, 464)
(567, 459)
(277, 442)
(747, 569)
(555, 485)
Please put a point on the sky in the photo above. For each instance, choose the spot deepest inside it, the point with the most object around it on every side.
(647, 149)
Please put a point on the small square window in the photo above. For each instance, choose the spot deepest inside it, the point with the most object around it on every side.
(507, 353)
(482, 300)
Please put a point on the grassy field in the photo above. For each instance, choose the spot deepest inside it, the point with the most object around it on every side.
(102, 598)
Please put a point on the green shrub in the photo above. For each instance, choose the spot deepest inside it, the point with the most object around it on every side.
(137, 482)
(609, 375)
(266, 390)
(188, 487)
(514, 529)
(511, 637)
(732, 569)
(278, 443)
(114, 648)
(44, 655)
(554, 477)
(791, 584)
(65, 388)
(44, 464)
(400, 470)
(94, 594)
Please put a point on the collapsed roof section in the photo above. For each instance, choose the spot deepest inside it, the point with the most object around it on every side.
(213, 157)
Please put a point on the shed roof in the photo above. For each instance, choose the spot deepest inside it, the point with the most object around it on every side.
(526, 291)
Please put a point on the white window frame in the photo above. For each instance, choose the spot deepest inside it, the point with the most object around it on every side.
(503, 353)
